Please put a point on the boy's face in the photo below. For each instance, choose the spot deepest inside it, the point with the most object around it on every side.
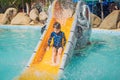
(56, 30)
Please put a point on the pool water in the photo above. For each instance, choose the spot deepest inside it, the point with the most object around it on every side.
(16, 48)
(98, 61)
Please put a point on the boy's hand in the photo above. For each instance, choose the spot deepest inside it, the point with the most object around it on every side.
(47, 48)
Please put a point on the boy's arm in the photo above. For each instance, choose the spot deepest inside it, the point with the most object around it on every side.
(64, 39)
(49, 40)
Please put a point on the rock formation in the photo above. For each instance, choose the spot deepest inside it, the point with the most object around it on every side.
(34, 15)
(118, 25)
(95, 20)
(9, 14)
(21, 19)
(43, 17)
(111, 21)
(1, 16)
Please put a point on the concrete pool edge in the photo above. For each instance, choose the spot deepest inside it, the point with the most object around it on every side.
(20, 27)
(106, 31)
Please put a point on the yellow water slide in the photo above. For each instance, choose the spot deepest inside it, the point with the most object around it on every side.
(40, 67)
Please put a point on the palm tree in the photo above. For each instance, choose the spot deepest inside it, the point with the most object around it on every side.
(13, 3)
(4, 4)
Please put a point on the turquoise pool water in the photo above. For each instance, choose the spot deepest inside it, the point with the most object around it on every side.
(98, 61)
(16, 48)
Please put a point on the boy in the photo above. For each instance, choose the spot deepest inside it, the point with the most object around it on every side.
(59, 42)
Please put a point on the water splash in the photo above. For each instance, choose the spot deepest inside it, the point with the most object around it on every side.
(62, 12)
(33, 74)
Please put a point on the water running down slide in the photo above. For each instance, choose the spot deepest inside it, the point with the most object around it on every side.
(45, 63)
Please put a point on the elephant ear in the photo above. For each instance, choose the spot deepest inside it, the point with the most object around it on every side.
(86, 12)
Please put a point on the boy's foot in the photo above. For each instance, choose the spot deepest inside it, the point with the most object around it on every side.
(53, 64)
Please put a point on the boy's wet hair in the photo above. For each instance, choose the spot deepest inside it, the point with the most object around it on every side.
(57, 25)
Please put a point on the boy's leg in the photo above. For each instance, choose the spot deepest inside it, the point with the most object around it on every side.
(54, 53)
(59, 53)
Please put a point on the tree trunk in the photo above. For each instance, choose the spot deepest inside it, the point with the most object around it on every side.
(27, 8)
(23, 6)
